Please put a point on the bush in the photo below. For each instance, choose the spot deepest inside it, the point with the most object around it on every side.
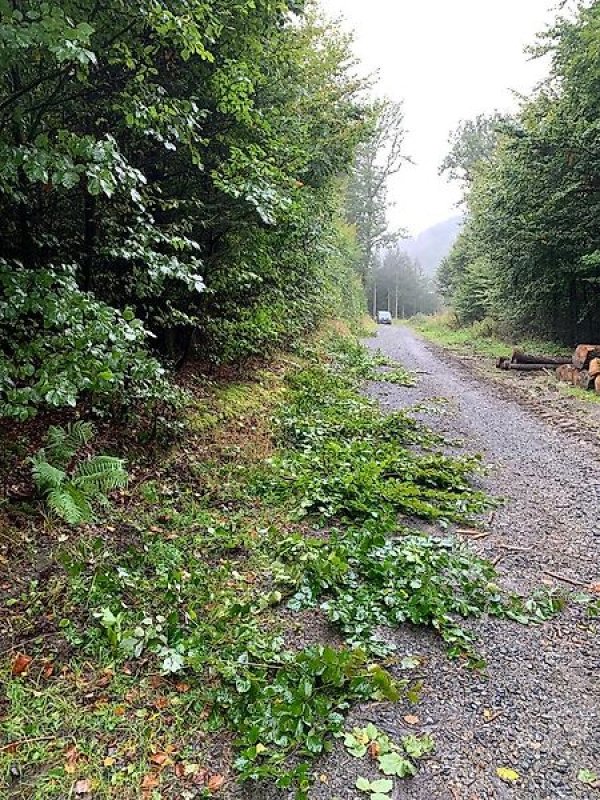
(60, 345)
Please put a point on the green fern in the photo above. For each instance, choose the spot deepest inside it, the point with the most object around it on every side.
(70, 490)
(63, 443)
(99, 475)
(45, 475)
(72, 506)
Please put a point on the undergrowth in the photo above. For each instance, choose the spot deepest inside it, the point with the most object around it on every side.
(310, 506)
(481, 338)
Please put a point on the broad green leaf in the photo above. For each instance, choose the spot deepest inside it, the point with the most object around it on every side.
(587, 777)
(394, 764)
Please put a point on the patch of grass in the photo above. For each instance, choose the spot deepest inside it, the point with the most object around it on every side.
(578, 393)
(115, 732)
(478, 338)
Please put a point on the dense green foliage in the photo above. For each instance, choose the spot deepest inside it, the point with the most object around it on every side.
(346, 460)
(166, 168)
(529, 256)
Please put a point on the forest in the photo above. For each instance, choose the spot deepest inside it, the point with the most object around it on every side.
(528, 259)
(172, 184)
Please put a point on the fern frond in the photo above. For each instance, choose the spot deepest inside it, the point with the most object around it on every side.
(63, 443)
(46, 476)
(58, 450)
(69, 505)
(100, 475)
(79, 434)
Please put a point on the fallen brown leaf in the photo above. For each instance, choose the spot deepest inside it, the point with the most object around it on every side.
(150, 781)
(180, 770)
(160, 759)
(71, 756)
(105, 679)
(374, 749)
(410, 719)
(48, 670)
(215, 782)
(20, 664)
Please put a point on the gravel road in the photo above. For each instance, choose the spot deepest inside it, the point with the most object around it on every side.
(542, 687)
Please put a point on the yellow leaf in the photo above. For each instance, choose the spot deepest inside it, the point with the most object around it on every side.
(260, 748)
(109, 761)
(507, 775)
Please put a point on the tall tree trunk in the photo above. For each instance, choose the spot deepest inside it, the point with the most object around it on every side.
(374, 294)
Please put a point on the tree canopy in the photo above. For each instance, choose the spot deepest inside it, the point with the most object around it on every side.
(169, 181)
(529, 256)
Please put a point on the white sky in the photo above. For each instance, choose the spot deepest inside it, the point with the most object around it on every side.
(448, 60)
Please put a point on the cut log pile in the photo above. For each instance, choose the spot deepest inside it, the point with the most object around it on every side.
(582, 369)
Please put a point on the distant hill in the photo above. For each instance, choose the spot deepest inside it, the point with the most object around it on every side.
(433, 245)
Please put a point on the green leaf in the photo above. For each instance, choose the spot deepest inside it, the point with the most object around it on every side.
(418, 746)
(394, 764)
(587, 776)
(382, 785)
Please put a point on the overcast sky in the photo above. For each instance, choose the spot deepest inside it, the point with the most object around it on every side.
(448, 60)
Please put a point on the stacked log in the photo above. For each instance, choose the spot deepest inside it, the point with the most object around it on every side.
(584, 354)
(584, 369)
(526, 362)
(581, 370)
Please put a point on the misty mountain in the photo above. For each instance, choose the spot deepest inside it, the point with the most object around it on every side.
(431, 246)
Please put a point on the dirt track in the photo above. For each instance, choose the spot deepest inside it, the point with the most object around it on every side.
(543, 683)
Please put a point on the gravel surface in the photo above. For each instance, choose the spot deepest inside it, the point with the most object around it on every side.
(542, 685)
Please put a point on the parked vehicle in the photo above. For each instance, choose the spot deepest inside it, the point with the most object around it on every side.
(384, 318)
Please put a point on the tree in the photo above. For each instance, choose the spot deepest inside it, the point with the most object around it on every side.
(531, 246)
(169, 178)
(472, 145)
(377, 160)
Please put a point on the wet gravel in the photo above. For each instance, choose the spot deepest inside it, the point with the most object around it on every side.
(537, 709)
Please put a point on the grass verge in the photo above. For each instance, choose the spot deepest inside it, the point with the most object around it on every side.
(478, 338)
